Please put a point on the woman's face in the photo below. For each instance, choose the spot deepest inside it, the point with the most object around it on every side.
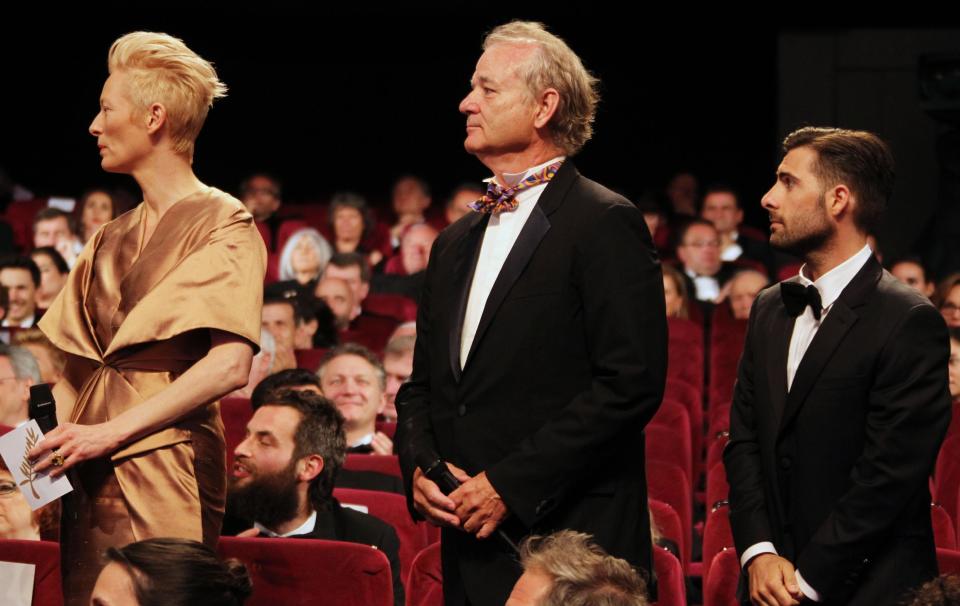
(16, 518)
(114, 587)
(348, 223)
(121, 130)
(51, 280)
(97, 210)
(950, 308)
(671, 297)
(304, 260)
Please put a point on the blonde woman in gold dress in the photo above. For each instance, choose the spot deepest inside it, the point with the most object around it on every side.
(160, 318)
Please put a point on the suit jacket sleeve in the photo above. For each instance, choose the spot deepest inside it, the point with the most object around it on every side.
(909, 411)
(414, 430)
(742, 460)
(620, 286)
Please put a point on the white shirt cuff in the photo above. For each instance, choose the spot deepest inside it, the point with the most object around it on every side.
(807, 590)
(755, 550)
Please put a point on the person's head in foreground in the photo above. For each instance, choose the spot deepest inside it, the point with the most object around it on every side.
(941, 591)
(170, 572)
(568, 569)
(955, 364)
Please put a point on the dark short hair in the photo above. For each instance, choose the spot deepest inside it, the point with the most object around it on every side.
(914, 259)
(279, 300)
(856, 158)
(721, 188)
(22, 262)
(355, 349)
(277, 186)
(344, 260)
(465, 186)
(49, 213)
(941, 591)
(319, 432)
(280, 381)
(421, 182)
(180, 572)
(52, 254)
(349, 199)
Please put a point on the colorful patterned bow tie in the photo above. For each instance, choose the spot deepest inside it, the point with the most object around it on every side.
(499, 199)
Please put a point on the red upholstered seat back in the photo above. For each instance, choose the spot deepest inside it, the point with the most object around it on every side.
(296, 572)
(717, 536)
(45, 555)
(944, 534)
(425, 583)
(720, 588)
(668, 522)
(386, 464)
(948, 561)
(667, 482)
(236, 413)
(671, 589)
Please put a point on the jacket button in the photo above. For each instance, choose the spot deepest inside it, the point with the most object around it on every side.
(462, 410)
(785, 462)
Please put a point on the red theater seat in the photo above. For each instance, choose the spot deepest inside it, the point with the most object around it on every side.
(670, 444)
(717, 536)
(944, 534)
(720, 589)
(948, 561)
(45, 556)
(717, 487)
(667, 482)
(297, 572)
(671, 589)
(425, 584)
(309, 359)
(392, 509)
(668, 522)
(946, 478)
(386, 464)
(236, 413)
(400, 308)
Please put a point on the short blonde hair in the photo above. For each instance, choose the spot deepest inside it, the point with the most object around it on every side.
(163, 70)
(555, 65)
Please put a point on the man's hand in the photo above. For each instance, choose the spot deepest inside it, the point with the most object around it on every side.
(382, 444)
(479, 506)
(773, 581)
(432, 504)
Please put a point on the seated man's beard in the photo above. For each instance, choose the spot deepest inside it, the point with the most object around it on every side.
(269, 498)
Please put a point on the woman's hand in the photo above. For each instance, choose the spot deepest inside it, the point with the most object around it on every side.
(75, 443)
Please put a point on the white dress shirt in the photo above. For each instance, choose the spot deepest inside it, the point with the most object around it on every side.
(498, 239)
(304, 528)
(829, 285)
(25, 323)
(732, 252)
(706, 288)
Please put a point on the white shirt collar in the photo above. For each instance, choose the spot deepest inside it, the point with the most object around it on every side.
(832, 283)
(511, 179)
(367, 439)
(305, 528)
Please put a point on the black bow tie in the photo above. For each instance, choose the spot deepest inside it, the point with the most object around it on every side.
(796, 297)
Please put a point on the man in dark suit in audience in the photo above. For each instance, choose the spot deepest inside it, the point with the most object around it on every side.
(721, 206)
(283, 477)
(365, 327)
(841, 401)
(541, 337)
(698, 248)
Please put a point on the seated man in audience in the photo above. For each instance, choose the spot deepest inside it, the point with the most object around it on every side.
(261, 194)
(369, 328)
(458, 204)
(398, 364)
(21, 277)
(354, 380)
(911, 272)
(298, 379)
(279, 316)
(743, 289)
(50, 360)
(18, 371)
(721, 206)
(338, 296)
(414, 253)
(568, 568)
(411, 199)
(954, 368)
(699, 250)
(56, 228)
(283, 477)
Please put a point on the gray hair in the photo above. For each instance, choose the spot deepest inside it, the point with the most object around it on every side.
(556, 66)
(320, 245)
(24, 364)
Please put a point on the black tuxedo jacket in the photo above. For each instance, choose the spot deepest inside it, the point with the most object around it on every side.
(567, 366)
(835, 472)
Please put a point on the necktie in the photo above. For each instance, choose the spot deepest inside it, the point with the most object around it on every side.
(500, 199)
(796, 297)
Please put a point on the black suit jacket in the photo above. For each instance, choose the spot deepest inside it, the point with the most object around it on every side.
(835, 472)
(566, 368)
(344, 524)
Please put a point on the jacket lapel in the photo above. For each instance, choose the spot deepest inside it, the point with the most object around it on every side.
(838, 322)
(781, 330)
(465, 264)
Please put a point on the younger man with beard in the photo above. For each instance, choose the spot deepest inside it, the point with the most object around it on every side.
(283, 477)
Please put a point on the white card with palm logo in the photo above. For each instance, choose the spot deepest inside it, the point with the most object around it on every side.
(38, 488)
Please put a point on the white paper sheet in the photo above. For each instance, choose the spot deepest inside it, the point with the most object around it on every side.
(17, 586)
(39, 489)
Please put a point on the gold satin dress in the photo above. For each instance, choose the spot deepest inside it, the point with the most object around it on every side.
(130, 324)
